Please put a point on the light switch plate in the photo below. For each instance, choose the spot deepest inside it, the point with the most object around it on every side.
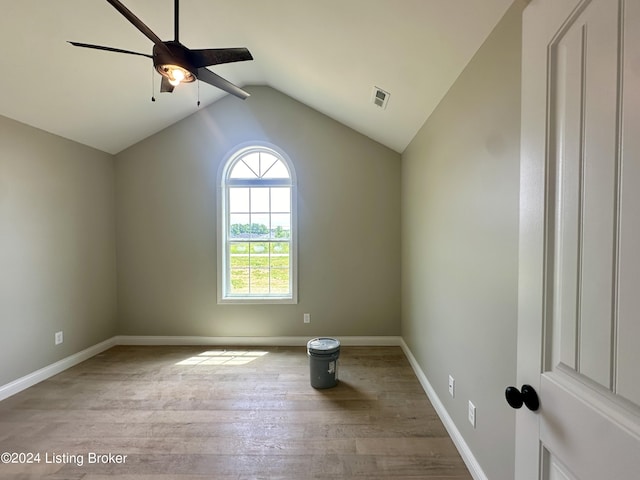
(472, 414)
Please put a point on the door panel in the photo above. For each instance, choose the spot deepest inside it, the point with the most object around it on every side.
(554, 468)
(586, 431)
(583, 88)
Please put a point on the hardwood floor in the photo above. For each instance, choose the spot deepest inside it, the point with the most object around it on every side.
(197, 412)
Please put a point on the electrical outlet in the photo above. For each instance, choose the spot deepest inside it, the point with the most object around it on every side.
(307, 318)
(58, 338)
(472, 414)
(452, 387)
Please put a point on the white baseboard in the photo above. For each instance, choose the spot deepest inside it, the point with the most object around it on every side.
(349, 341)
(465, 452)
(50, 370)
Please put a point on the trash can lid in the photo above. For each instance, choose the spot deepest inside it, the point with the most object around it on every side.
(323, 345)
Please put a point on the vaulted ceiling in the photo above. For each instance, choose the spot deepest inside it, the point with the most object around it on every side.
(328, 54)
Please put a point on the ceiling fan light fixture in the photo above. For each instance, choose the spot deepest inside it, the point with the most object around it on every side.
(176, 63)
(175, 74)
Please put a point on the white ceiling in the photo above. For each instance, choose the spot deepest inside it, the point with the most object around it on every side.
(327, 54)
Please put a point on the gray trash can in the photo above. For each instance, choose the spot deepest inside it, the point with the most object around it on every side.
(323, 361)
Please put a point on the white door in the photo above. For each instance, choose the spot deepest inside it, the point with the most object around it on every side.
(579, 290)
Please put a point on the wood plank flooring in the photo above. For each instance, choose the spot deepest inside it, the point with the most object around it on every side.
(190, 413)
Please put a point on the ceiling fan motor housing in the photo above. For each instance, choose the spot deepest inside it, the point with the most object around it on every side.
(173, 54)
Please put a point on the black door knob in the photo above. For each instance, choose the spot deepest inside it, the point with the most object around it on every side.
(526, 395)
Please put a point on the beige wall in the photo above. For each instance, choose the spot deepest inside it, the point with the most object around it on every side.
(460, 179)
(57, 248)
(348, 217)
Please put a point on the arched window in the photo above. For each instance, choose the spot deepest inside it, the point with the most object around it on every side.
(257, 235)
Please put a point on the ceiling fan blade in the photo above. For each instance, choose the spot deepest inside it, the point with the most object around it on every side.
(165, 85)
(108, 49)
(211, 78)
(128, 14)
(216, 56)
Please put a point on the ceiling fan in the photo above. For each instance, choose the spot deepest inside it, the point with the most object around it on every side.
(177, 63)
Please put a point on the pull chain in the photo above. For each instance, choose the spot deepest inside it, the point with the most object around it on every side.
(198, 93)
(153, 85)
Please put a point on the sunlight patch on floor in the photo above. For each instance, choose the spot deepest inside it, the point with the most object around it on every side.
(224, 357)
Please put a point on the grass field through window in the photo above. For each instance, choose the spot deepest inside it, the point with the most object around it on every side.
(259, 267)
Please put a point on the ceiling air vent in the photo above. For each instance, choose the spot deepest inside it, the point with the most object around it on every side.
(380, 97)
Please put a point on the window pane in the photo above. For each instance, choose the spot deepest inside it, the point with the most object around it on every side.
(279, 261)
(239, 267)
(260, 200)
(238, 200)
(280, 280)
(239, 280)
(266, 163)
(281, 200)
(259, 280)
(279, 248)
(281, 225)
(239, 225)
(279, 273)
(259, 255)
(241, 170)
(260, 226)
(278, 170)
(252, 161)
(259, 248)
(239, 254)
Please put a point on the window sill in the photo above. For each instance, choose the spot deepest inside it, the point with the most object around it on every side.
(257, 300)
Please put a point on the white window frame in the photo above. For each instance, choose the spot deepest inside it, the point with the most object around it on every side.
(224, 297)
